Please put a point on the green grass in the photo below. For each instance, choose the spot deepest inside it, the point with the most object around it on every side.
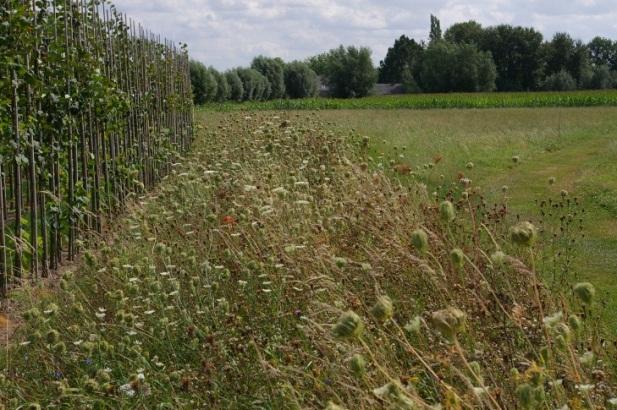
(431, 101)
(577, 146)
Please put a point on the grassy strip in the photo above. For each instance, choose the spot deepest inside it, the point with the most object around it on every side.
(432, 101)
(275, 268)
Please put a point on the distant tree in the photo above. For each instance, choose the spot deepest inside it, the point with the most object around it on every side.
(223, 91)
(518, 56)
(405, 54)
(300, 80)
(198, 72)
(559, 81)
(600, 78)
(273, 70)
(564, 53)
(350, 72)
(236, 88)
(435, 33)
(450, 67)
(319, 63)
(255, 84)
(603, 51)
(408, 80)
(469, 32)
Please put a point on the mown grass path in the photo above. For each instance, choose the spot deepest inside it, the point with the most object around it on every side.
(576, 146)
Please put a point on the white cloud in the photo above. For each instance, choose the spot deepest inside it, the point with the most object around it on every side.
(228, 33)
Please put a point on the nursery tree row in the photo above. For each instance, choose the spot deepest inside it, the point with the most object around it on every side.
(93, 110)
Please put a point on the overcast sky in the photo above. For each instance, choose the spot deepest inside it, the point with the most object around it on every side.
(229, 33)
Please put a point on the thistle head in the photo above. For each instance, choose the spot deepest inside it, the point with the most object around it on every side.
(523, 234)
(348, 326)
(419, 240)
(448, 322)
(498, 258)
(383, 309)
(446, 211)
(457, 257)
(585, 291)
(358, 365)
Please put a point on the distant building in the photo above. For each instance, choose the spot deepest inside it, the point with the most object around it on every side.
(378, 89)
(387, 89)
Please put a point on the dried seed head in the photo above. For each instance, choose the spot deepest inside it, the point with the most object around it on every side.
(358, 365)
(504, 189)
(516, 159)
(523, 234)
(414, 326)
(52, 336)
(585, 291)
(383, 309)
(419, 240)
(575, 323)
(59, 348)
(340, 262)
(498, 258)
(446, 211)
(349, 326)
(458, 258)
(551, 180)
(332, 406)
(448, 322)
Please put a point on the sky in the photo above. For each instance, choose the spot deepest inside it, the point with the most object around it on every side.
(229, 33)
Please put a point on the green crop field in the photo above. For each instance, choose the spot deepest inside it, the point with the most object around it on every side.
(431, 101)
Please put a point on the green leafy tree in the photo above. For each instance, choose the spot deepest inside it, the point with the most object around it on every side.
(300, 80)
(517, 53)
(468, 32)
(601, 78)
(448, 67)
(564, 53)
(405, 54)
(319, 63)
(223, 90)
(559, 81)
(255, 85)
(603, 52)
(273, 70)
(199, 82)
(236, 88)
(350, 72)
(435, 33)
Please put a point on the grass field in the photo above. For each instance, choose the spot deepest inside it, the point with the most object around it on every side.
(576, 146)
(432, 101)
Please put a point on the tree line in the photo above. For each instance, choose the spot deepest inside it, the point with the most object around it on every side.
(467, 57)
(266, 78)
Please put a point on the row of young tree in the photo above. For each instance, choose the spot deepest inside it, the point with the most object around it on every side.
(469, 57)
(267, 78)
